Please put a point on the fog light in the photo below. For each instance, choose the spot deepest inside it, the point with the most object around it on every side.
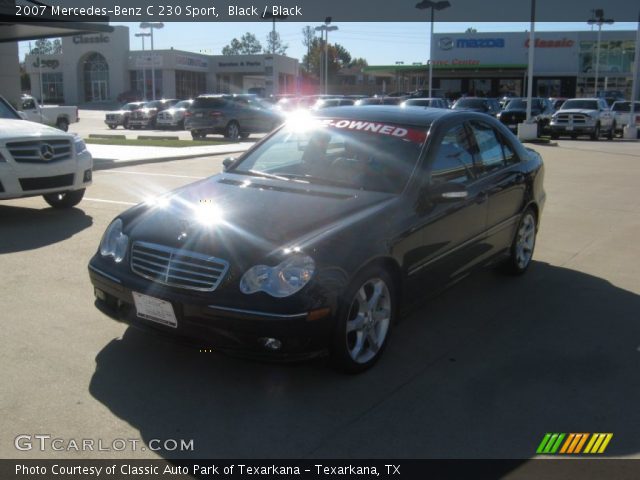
(272, 344)
(87, 176)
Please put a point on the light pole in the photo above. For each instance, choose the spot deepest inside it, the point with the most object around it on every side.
(423, 5)
(144, 66)
(598, 19)
(630, 131)
(152, 26)
(326, 29)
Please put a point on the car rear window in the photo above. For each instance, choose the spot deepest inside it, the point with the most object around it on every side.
(470, 103)
(209, 102)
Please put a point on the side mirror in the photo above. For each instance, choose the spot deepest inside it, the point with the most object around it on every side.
(447, 192)
(227, 162)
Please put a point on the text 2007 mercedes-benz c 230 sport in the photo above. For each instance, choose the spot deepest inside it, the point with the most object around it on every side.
(314, 239)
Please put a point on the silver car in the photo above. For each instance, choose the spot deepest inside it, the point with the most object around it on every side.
(174, 117)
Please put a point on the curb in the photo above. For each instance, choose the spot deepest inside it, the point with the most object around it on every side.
(108, 163)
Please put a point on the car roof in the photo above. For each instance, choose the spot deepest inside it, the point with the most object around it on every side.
(391, 114)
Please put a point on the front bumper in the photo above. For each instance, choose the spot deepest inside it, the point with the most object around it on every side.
(140, 122)
(237, 329)
(29, 179)
(568, 129)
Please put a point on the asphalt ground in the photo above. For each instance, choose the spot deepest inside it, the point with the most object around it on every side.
(483, 370)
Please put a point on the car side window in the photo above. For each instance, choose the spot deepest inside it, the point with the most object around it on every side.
(490, 149)
(510, 156)
(29, 104)
(454, 158)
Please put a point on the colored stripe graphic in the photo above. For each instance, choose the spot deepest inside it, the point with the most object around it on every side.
(574, 443)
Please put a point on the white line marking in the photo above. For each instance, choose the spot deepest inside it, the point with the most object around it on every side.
(117, 202)
(151, 174)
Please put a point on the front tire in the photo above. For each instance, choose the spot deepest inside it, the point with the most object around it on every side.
(523, 244)
(612, 131)
(596, 133)
(64, 199)
(366, 313)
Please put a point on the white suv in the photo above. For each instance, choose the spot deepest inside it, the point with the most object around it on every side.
(40, 160)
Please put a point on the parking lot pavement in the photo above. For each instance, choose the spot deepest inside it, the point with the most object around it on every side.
(481, 371)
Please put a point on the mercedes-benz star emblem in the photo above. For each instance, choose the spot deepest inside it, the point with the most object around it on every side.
(46, 152)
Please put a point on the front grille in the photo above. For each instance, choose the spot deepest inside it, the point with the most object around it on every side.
(42, 183)
(575, 118)
(511, 117)
(165, 116)
(31, 151)
(177, 268)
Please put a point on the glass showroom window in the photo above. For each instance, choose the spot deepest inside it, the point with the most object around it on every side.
(52, 88)
(96, 78)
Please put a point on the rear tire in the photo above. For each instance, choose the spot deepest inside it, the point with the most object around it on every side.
(64, 199)
(366, 313)
(62, 124)
(523, 245)
(113, 127)
(232, 132)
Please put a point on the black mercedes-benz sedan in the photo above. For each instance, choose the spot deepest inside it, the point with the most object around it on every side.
(317, 238)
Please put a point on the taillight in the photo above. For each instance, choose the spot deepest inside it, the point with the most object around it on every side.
(187, 114)
(215, 113)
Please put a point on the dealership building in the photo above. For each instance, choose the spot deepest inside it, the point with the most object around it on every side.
(495, 64)
(98, 68)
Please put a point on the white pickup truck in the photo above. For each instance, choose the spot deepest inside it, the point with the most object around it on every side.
(39, 160)
(52, 115)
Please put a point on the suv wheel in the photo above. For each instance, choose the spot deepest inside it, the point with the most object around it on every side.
(64, 199)
(596, 133)
(63, 124)
(523, 244)
(612, 131)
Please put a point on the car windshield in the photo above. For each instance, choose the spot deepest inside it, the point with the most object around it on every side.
(580, 104)
(354, 154)
(155, 104)
(625, 107)
(7, 112)
(209, 102)
(518, 105)
(183, 104)
(470, 103)
(131, 106)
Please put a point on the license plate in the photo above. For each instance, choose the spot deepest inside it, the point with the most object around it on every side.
(155, 310)
(569, 128)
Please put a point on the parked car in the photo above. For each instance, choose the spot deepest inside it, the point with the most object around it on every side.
(333, 102)
(490, 106)
(39, 160)
(174, 117)
(121, 116)
(515, 112)
(583, 116)
(379, 101)
(425, 102)
(316, 239)
(53, 115)
(147, 116)
(621, 111)
(234, 116)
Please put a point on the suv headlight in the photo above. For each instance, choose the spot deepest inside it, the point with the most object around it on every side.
(114, 243)
(283, 280)
(79, 146)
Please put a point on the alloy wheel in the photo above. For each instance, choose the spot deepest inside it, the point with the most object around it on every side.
(525, 241)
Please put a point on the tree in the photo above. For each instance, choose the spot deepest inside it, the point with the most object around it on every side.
(358, 62)
(45, 46)
(308, 35)
(274, 44)
(338, 57)
(247, 45)
(471, 30)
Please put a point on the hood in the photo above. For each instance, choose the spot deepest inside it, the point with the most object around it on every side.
(577, 110)
(253, 217)
(118, 112)
(10, 129)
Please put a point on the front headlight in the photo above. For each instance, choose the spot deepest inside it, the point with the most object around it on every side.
(283, 280)
(79, 146)
(114, 243)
